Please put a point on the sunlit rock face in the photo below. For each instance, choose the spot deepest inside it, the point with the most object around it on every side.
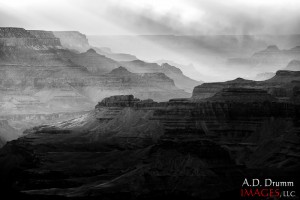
(39, 74)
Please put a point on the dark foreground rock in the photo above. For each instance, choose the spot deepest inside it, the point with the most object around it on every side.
(132, 149)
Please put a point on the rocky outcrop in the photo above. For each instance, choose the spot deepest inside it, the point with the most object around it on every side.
(119, 101)
(181, 81)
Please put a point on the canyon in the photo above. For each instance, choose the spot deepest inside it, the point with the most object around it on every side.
(47, 72)
(284, 86)
(76, 123)
(140, 149)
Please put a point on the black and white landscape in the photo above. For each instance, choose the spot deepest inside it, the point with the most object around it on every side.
(141, 99)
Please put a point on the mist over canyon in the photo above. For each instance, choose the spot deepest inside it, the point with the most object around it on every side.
(146, 116)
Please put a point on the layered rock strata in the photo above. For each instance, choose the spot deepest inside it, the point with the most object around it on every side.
(139, 149)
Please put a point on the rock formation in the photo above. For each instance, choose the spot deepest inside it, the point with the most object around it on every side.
(39, 75)
(41, 78)
(92, 61)
(101, 61)
(140, 149)
(73, 40)
(181, 81)
(270, 59)
(206, 90)
(280, 86)
(77, 41)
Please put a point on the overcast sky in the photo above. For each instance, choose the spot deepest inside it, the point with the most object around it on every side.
(178, 17)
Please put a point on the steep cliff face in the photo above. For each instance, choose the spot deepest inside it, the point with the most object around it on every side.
(46, 38)
(12, 37)
(16, 36)
(22, 47)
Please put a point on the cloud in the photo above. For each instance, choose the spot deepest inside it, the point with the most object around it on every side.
(190, 17)
(214, 17)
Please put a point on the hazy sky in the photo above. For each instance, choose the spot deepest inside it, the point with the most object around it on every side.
(120, 17)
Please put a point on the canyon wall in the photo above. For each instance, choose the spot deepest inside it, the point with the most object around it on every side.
(281, 86)
(158, 145)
